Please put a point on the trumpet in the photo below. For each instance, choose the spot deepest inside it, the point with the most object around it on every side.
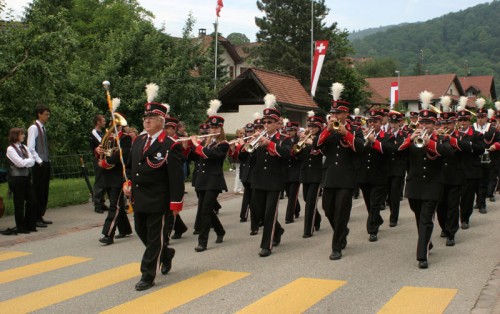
(335, 125)
(297, 148)
(254, 144)
(412, 126)
(237, 139)
(419, 141)
(182, 139)
(444, 131)
(370, 131)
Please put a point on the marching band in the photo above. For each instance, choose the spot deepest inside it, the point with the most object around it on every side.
(439, 161)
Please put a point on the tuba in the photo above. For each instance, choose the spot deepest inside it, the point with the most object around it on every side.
(108, 140)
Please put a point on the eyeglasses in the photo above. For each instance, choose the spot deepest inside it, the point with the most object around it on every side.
(267, 122)
(463, 119)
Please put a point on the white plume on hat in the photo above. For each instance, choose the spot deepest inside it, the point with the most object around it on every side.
(257, 115)
(356, 112)
(214, 107)
(310, 113)
(491, 112)
(285, 121)
(462, 103)
(168, 107)
(445, 102)
(480, 103)
(151, 91)
(270, 101)
(425, 98)
(336, 90)
(497, 105)
(115, 103)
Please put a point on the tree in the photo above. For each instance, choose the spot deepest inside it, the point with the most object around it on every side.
(238, 38)
(285, 36)
(377, 68)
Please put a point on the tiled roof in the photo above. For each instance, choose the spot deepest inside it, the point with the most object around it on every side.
(243, 50)
(376, 98)
(411, 86)
(286, 88)
(482, 83)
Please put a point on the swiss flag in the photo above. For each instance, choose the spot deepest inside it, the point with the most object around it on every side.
(220, 5)
(319, 56)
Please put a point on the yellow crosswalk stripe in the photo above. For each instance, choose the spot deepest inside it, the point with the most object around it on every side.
(295, 297)
(179, 293)
(39, 268)
(56, 294)
(10, 255)
(419, 300)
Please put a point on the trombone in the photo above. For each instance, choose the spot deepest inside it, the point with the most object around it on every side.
(297, 148)
(182, 139)
(254, 144)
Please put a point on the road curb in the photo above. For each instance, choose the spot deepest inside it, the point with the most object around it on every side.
(489, 299)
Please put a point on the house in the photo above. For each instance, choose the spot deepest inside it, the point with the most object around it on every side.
(244, 96)
(479, 86)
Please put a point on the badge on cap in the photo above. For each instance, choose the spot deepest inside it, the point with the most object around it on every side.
(214, 120)
(426, 113)
(148, 107)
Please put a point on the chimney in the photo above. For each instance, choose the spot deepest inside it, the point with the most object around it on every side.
(202, 32)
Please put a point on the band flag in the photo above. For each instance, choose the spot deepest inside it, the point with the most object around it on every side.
(394, 94)
(220, 5)
(321, 46)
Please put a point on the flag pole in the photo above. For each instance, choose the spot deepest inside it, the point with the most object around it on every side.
(312, 41)
(216, 44)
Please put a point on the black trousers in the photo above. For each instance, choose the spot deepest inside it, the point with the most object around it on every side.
(246, 207)
(424, 212)
(24, 202)
(395, 194)
(493, 181)
(197, 220)
(337, 204)
(293, 205)
(150, 229)
(467, 201)
(208, 218)
(484, 182)
(117, 217)
(374, 196)
(312, 218)
(41, 178)
(265, 205)
(448, 210)
(99, 191)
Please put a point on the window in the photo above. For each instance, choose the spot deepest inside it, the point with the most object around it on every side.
(231, 72)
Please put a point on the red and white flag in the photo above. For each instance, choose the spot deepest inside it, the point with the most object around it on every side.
(319, 56)
(219, 6)
(394, 94)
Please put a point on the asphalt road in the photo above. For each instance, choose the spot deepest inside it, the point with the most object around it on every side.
(366, 280)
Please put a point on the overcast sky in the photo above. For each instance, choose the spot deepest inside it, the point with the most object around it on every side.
(239, 15)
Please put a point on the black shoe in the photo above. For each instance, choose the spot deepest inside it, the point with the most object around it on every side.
(264, 252)
(393, 224)
(47, 222)
(476, 206)
(166, 265)
(343, 243)
(32, 230)
(98, 210)
(305, 236)
(289, 222)
(200, 248)
(373, 237)
(465, 225)
(196, 231)
(483, 210)
(22, 230)
(443, 234)
(450, 242)
(355, 197)
(335, 255)
(122, 235)
(40, 224)
(220, 237)
(243, 220)
(106, 240)
(104, 207)
(297, 214)
(143, 285)
(317, 226)
(282, 197)
(430, 246)
(254, 232)
(277, 237)
(492, 199)
(176, 235)
(423, 264)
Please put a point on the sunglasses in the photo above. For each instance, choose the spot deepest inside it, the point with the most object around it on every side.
(267, 122)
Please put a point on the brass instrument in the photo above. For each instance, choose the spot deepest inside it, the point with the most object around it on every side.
(254, 144)
(435, 109)
(237, 139)
(182, 139)
(335, 125)
(419, 141)
(444, 131)
(370, 131)
(412, 126)
(297, 148)
(108, 141)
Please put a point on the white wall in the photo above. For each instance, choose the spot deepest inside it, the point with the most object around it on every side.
(237, 120)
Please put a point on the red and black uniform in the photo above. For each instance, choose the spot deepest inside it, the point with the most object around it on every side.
(396, 171)
(490, 136)
(292, 185)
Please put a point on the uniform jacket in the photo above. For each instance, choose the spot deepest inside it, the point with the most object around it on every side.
(210, 174)
(157, 175)
(311, 169)
(340, 151)
(269, 172)
(113, 177)
(293, 164)
(469, 147)
(425, 176)
(372, 160)
(247, 162)
(397, 160)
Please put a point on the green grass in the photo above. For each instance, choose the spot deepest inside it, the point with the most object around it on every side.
(62, 192)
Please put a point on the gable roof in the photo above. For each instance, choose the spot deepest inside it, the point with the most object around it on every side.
(485, 85)
(411, 86)
(252, 85)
